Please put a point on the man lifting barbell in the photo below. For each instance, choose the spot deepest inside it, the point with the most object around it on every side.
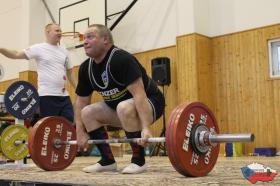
(192, 141)
(192, 136)
(132, 100)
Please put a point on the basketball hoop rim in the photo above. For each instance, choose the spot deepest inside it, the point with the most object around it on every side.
(73, 34)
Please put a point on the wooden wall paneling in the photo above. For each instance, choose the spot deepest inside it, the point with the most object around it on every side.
(69, 87)
(238, 86)
(187, 68)
(206, 82)
(247, 90)
(246, 100)
(271, 109)
(219, 60)
(243, 91)
(5, 84)
(274, 32)
(268, 99)
(231, 85)
(260, 93)
(216, 70)
(276, 115)
(257, 126)
(29, 76)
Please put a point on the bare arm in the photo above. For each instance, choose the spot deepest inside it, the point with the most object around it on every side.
(13, 54)
(82, 135)
(142, 105)
(71, 77)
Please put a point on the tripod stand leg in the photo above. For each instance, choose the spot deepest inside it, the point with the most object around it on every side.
(159, 146)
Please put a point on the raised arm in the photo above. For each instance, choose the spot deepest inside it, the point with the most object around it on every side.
(13, 54)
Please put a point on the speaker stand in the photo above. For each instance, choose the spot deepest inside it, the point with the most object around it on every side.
(160, 145)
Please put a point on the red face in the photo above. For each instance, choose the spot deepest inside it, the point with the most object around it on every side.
(94, 44)
(53, 34)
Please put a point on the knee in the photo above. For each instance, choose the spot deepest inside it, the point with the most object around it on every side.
(88, 113)
(128, 116)
(126, 110)
(85, 113)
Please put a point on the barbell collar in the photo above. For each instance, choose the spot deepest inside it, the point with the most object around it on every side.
(224, 138)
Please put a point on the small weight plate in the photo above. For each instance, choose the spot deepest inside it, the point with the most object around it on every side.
(21, 99)
(8, 137)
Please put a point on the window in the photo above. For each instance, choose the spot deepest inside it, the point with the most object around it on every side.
(274, 57)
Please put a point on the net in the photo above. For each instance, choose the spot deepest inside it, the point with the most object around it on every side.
(70, 40)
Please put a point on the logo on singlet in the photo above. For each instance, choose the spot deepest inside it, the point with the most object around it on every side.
(113, 94)
(104, 77)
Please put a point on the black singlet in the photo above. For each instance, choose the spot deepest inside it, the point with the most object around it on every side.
(111, 77)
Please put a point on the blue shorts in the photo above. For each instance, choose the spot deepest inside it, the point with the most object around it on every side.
(56, 106)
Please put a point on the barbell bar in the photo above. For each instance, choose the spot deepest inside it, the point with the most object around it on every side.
(114, 140)
(213, 138)
(20, 153)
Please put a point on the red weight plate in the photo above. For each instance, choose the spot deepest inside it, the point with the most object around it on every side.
(170, 138)
(32, 131)
(189, 162)
(168, 142)
(42, 149)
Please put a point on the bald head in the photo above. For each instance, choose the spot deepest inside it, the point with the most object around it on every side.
(49, 26)
(53, 33)
(102, 31)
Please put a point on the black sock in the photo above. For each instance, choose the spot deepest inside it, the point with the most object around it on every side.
(138, 156)
(107, 157)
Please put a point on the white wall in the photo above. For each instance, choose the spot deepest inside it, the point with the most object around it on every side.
(201, 17)
(12, 35)
(148, 25)
(152, 24)
(94, 9)
(36, 25)
(228, 16)
(23, 27)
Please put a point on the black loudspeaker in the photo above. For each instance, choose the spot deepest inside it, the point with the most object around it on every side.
(161, 70)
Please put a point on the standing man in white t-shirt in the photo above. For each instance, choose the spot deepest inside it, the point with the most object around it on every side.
(53, 66)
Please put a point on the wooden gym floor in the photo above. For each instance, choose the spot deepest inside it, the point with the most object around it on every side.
(227, 171)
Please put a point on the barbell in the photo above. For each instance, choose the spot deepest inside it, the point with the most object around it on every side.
(192, 140)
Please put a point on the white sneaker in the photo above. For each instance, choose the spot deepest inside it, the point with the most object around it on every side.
(134, 169)
(99, 168)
